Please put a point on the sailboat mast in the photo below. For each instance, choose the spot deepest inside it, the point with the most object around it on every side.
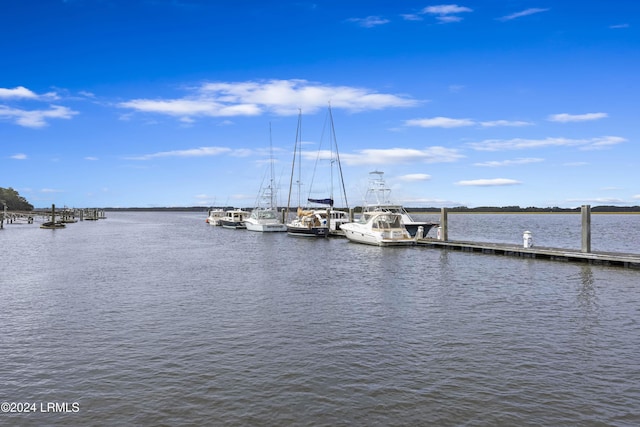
(293, 163)
(272, 191)
(335, 143)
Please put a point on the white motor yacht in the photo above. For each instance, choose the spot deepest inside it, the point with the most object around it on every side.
(378, 228)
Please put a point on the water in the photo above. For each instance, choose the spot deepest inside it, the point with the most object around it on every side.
(159, 319)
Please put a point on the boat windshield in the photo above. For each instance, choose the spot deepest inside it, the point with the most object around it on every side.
(387, 221)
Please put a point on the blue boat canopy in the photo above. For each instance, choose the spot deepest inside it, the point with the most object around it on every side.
(322, 201)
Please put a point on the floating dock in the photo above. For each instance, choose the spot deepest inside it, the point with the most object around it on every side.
(528, 250)
(553, 254)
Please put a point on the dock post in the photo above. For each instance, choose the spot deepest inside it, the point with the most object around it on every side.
(3, 216)
(586, 228)
(444, 214)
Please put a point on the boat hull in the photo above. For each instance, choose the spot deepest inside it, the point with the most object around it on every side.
(236, 225)
(265, 228)
(377, 239)
(307, 231)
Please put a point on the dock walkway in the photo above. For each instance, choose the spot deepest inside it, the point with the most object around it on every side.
(554, 254)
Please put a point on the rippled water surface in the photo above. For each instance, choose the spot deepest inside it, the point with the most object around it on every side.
(159, 319)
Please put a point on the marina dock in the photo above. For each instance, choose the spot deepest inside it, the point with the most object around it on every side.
(553, 254)
(528, 250)
(44, 216)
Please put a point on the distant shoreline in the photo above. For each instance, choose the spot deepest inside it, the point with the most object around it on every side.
(431, 210)
(452, 210)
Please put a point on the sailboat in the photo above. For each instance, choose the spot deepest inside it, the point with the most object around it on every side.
(335, 217)
(264, 217)
(307, 223)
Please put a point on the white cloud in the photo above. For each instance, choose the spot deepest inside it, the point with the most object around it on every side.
(19, 156)
(445, 9)
(447, 122)
(599, 201)
(601, 143)
(281, 97)
(17, 92)
(526, 12)
(193, 152)
(511, 123)
(446, 13)
(521, 161)
(412, 177)
(637, 196)
(521, 143)
(374, 156)
(619, 26)
(35, 118)
(446, 19)
(411, 17)
(22, 93)
(565, 118)
(440, 122)
(31, 118)
(369, 21)
(495, 182)
(90, 158)
(186, 108)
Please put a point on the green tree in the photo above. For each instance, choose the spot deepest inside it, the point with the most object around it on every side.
(13, 200)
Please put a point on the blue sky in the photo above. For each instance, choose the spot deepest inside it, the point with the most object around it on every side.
(123, 103)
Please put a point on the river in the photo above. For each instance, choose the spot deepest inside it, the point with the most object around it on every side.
(156, 318)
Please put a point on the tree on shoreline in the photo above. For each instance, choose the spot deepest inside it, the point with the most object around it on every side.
(13, 200)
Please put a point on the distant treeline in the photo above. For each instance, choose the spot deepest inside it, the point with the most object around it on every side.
(13, 200)
(530, 209)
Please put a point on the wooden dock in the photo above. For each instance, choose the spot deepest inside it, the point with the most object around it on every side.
(528, 250)
(553, 254)
(64, 216)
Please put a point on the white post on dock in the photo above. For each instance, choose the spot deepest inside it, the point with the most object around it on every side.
(586, 228)
(444, 233)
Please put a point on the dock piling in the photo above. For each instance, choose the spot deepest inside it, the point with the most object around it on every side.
(586, 228)
(444, 216)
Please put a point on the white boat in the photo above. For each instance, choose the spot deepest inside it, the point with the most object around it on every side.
(265, 220)
(308, 224)
(264, 217)
(377, 200)
(234, 218)
(335, 219)
(214, 216)
(379, 229)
